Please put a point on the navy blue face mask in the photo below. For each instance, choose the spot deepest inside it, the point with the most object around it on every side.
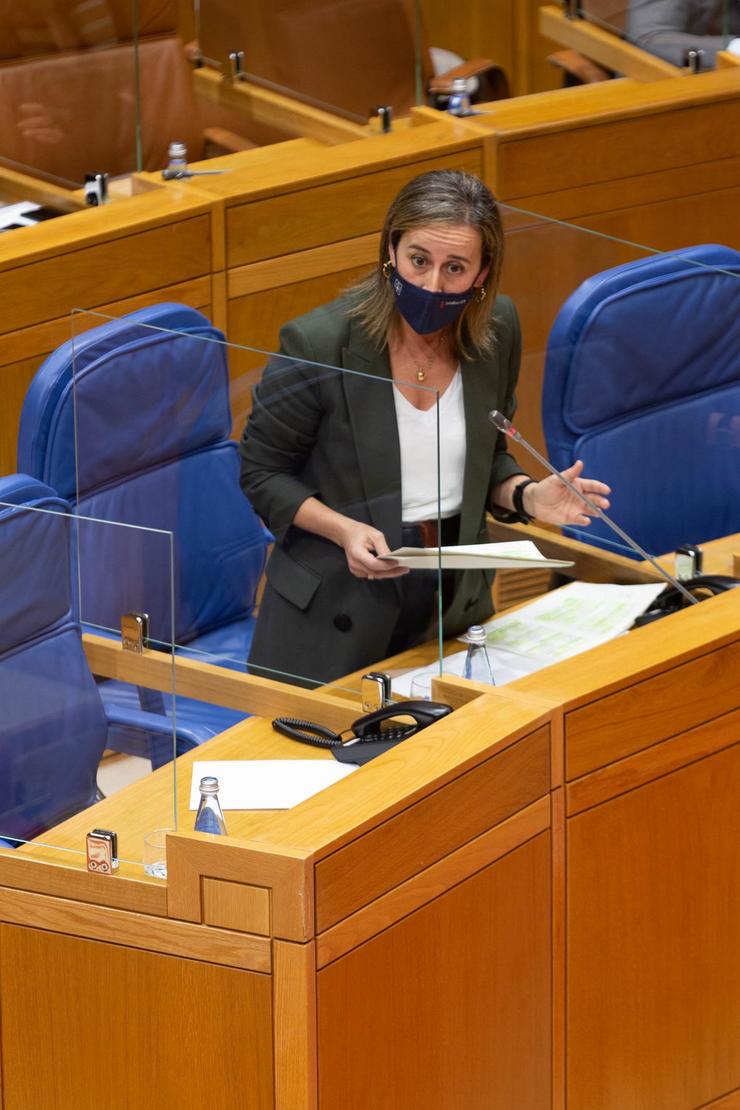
(427, 312)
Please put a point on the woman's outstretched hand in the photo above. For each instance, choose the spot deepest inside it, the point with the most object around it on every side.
(552, 502)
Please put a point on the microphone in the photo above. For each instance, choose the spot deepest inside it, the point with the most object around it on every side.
(178, 173)
(509, 430)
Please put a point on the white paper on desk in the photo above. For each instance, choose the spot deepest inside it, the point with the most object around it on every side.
(517, 555)
(553, 627)
(266, 783)
(17, 213)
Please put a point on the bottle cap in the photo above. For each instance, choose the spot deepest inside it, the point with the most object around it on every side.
(459, 85)
(476, 634)
(209, 785)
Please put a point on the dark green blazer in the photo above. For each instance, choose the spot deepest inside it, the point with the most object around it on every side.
(327, 427)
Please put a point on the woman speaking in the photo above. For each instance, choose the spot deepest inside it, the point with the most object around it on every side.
(340, 452)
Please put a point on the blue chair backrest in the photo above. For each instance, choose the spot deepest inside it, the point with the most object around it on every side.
(52, 726)
(642, 382)
(149, 411)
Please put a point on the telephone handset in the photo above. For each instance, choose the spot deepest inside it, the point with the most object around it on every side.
(380, 729)
(422, 712)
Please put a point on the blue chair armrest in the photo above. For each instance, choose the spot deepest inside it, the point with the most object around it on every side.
(154, 729)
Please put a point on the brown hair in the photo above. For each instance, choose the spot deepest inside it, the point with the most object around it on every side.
(438, 197)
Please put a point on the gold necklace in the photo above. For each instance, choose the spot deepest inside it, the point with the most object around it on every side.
(422, 369)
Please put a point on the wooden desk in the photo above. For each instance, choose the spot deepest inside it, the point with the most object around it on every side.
(469, 888)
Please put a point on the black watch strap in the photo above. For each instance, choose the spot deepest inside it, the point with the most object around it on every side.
(517, 500)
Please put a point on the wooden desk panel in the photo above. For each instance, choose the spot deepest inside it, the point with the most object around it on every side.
(653, 943)
(295, 221)
(204, 1037)
(653, 710)
(427, 831)
(467, 1022)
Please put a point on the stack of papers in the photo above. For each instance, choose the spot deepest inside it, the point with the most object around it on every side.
(517, 555)
(556, 626)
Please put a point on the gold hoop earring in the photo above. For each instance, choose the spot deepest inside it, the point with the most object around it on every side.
(386, 268)
(482, 293)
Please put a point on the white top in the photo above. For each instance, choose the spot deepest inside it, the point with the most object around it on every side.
(417, 434)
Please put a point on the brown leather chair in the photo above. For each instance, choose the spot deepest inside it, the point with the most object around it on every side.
(72, 113)
(347, 58)
(32, 27)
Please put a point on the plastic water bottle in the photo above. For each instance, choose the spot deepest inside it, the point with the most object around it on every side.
(477, 662)
(459, 100)
(210, 818)
(177, 159)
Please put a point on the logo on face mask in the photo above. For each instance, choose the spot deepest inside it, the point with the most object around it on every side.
(426, 312)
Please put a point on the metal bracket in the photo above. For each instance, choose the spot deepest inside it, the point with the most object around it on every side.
(236, 58)
(134, 632)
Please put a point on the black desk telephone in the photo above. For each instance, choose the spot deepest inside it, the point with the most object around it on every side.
(369, 735)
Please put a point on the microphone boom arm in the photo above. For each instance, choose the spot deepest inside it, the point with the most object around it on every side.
(504, 425)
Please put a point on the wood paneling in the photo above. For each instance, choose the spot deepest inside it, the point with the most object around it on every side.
(130, 1030)
(191, 858)
(467, 1022)
(15, 381)
(559, 994)
(294, 1002)
(654, 943)
(427, 831)
(434, 881)
(133, 266)
(236, 906)
(89, 276)
(61, 915)
(299, 220)
(624, 148)
(659, 759)
(653, 710)
(255, 322)
(60, 880)
(727, 1102)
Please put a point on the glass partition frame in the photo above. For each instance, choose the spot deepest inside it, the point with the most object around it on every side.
(67, 731)
(238, 361)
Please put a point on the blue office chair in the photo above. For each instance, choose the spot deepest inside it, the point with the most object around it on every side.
(54, 725)
(642, 382)
(131, 422)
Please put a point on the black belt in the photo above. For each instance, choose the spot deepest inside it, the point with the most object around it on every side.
(431, 533)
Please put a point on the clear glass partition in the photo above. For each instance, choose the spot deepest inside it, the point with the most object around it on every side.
(347, 59)
(72, 84)
(74, 734)
(157, 417)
